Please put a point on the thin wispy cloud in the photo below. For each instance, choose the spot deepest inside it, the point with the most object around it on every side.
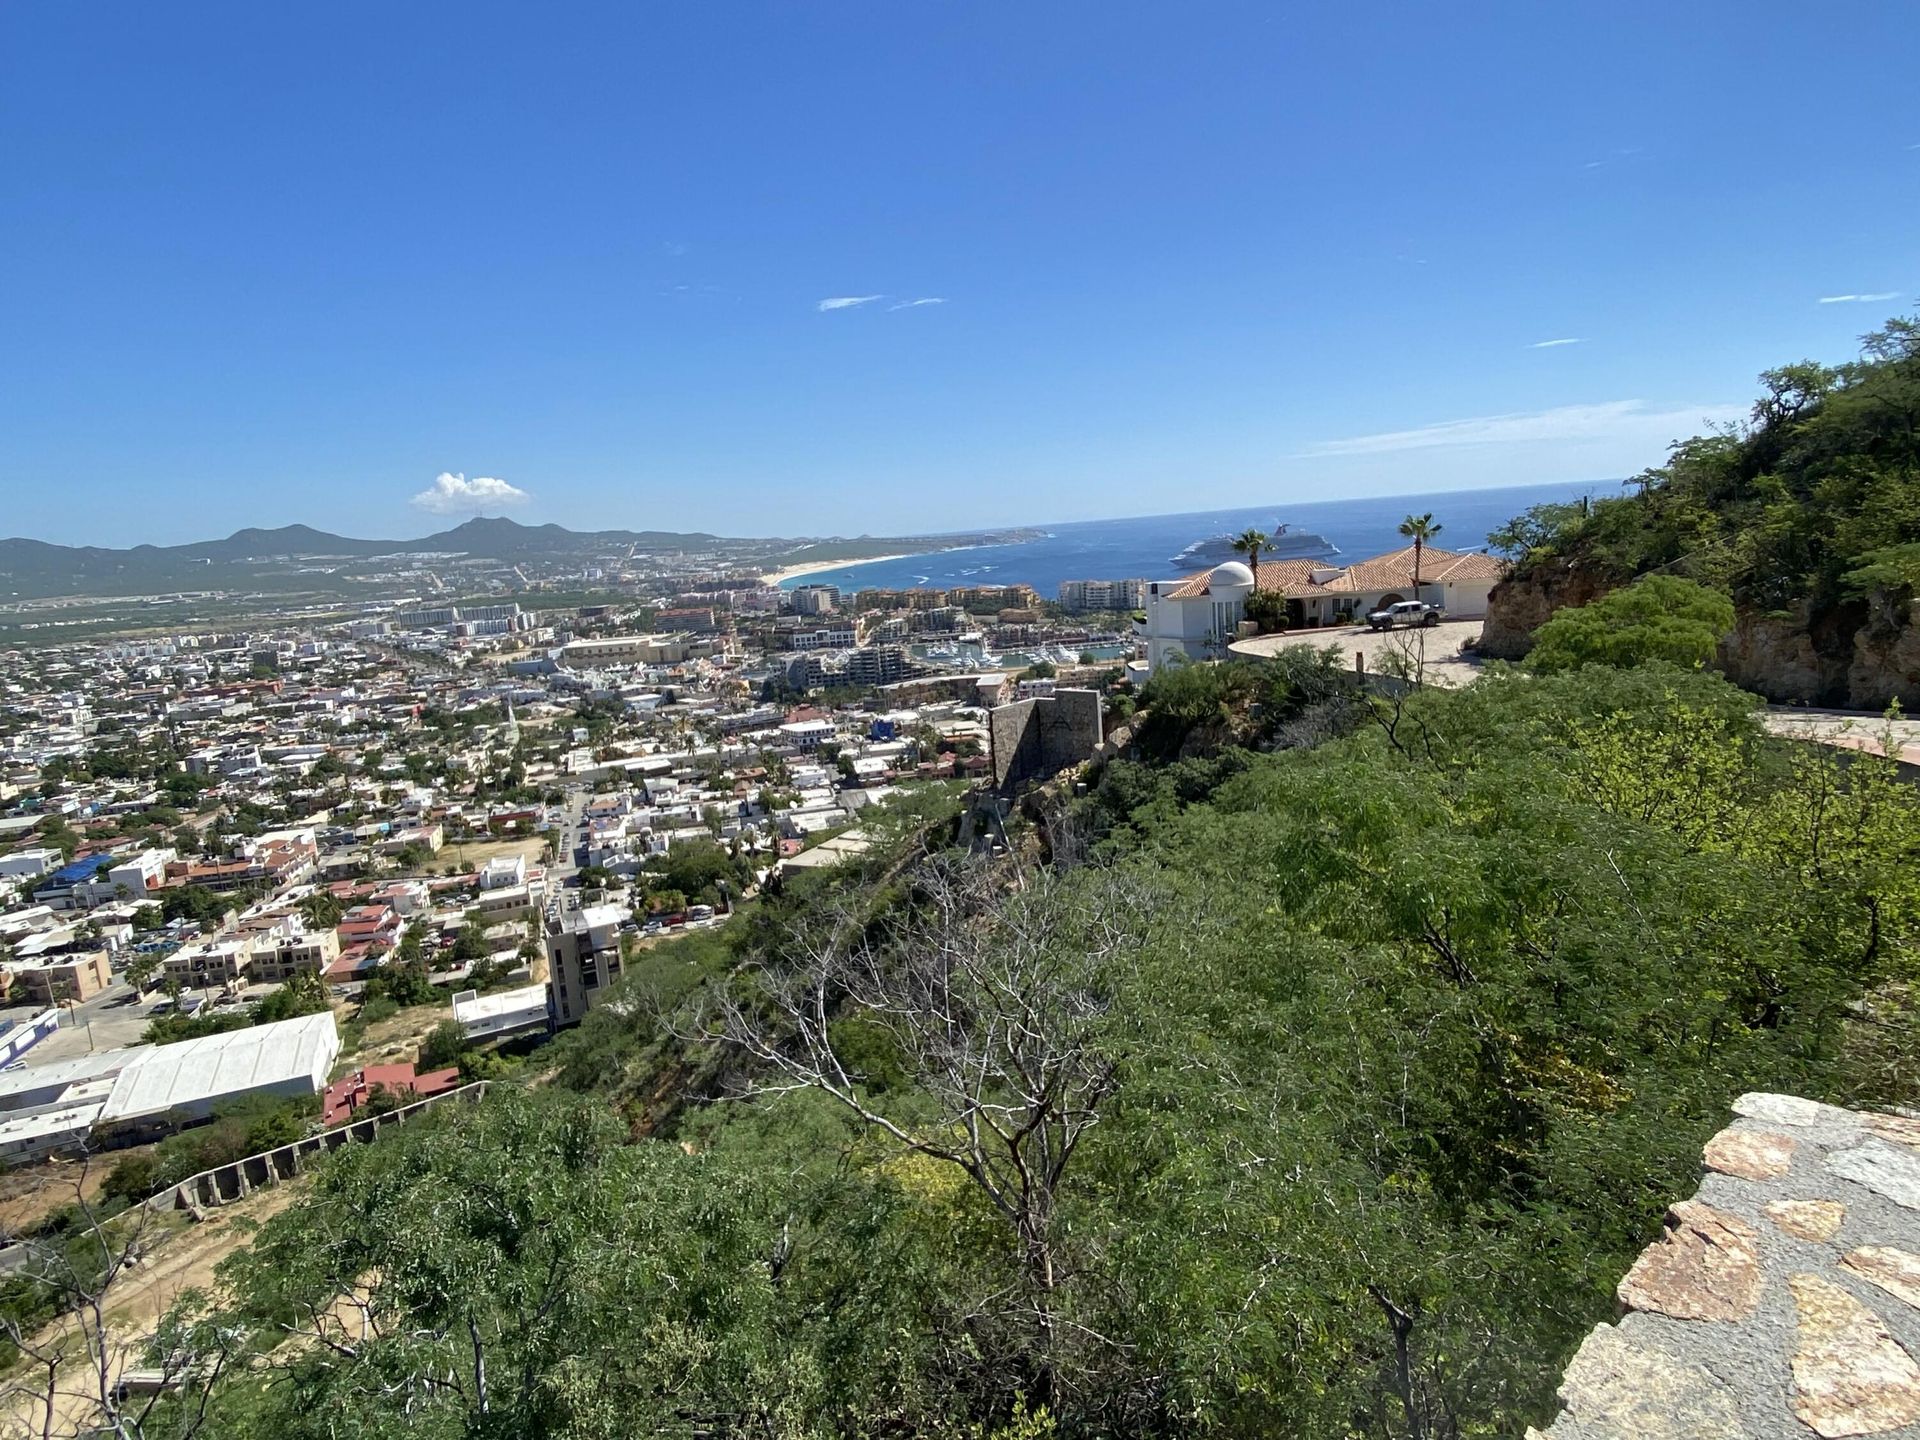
(1865, 299)
(923, 300)
(1556, 344)
(1626, 153)
(1609, 420)
(452, 494)
(846, 302)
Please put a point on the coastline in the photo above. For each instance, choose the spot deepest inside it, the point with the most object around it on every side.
(821, 567)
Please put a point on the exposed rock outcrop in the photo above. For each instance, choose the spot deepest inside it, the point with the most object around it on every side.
(1859, 655)
(1778, 656)
(1886, 657)
(1521, 604)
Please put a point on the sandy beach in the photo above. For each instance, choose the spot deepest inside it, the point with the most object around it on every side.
(820, 567)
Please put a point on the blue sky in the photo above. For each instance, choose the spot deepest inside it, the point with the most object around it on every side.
(265, 263)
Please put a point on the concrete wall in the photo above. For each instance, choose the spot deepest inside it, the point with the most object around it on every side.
(1037, 738)
(226, 1183)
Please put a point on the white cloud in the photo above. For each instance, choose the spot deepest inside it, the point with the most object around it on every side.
(456, 495)
(1611, 420)
(1859, 299)
(1551, 344)
(923, 300)
(847, 302)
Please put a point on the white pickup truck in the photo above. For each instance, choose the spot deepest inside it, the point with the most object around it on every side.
(1405, 612)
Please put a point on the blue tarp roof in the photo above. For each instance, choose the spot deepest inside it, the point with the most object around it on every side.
(74, 870)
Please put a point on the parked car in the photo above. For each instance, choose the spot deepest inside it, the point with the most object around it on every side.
(1405, 612)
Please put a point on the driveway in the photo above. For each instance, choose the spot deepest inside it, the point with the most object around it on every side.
(1435, 649)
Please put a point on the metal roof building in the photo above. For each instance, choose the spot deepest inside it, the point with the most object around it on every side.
(286, 1058)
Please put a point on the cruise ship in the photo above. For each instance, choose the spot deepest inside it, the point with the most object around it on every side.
(1285, 543)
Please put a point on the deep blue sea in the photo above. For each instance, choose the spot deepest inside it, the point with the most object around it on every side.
(1143, 546)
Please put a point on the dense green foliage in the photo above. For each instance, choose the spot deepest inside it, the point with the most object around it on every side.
(1398, 1040)
(1817, 500)
(1658, 617)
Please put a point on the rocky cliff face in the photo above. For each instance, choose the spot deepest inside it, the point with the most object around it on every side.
(1521, 604)
(1886, 657)
(1776, 656)
(1859, 656)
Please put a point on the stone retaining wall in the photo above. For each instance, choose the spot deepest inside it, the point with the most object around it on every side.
(226, 1183)
(1784, 1300)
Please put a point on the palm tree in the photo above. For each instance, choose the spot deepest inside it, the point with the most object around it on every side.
(1419, 529)
(1253, 544)
(321, 910)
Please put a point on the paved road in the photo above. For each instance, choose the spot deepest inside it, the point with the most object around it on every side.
(1849, 729)
(1436, 648)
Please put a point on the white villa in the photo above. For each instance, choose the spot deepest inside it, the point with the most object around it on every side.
(1194, 618)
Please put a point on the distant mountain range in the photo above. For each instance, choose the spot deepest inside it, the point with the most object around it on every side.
(35, 568)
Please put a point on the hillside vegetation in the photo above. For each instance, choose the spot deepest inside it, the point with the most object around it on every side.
(1325, 1090)
(1808, 518)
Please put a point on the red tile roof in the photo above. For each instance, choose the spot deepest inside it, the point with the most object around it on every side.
(346, 1095)
(1391, 571)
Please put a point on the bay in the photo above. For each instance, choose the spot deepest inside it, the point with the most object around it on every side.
(1141, 547)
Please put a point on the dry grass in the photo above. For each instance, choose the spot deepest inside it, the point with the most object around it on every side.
(393, 1040)
(180, 1255)
(473, 854)
(35, 1191)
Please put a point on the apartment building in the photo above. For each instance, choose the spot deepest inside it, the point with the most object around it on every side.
(813, 599)
(633, 650)
(583, 954)
(279, 958)
(1083, 595)
(209, 963)
(54, 979)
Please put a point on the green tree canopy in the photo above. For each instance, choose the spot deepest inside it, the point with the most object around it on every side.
(1658, 617)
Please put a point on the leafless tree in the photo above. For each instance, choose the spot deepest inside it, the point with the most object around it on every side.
(994, 999)
(73, 1365)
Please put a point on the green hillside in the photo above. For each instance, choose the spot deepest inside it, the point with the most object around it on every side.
(1323, 1091)
(1817, 500)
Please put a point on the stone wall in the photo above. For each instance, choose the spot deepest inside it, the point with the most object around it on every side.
(226, 1183)
(1035, 739)
(1784, 1299)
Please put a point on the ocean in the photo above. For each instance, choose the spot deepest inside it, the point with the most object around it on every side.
(1143, 547)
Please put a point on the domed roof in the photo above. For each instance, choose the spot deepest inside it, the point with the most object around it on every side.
(1232, 575)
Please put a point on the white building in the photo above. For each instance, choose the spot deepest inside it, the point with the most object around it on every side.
(28, 863)
(504, 1012)
(1078, 595)
(503, 872)
(1194, 618)
(583, 948)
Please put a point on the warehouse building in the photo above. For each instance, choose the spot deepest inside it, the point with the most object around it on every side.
(152, 1089)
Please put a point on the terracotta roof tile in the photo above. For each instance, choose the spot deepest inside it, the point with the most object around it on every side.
(1391, 571)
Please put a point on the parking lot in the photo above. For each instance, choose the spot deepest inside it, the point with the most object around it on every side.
(105, 1022)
